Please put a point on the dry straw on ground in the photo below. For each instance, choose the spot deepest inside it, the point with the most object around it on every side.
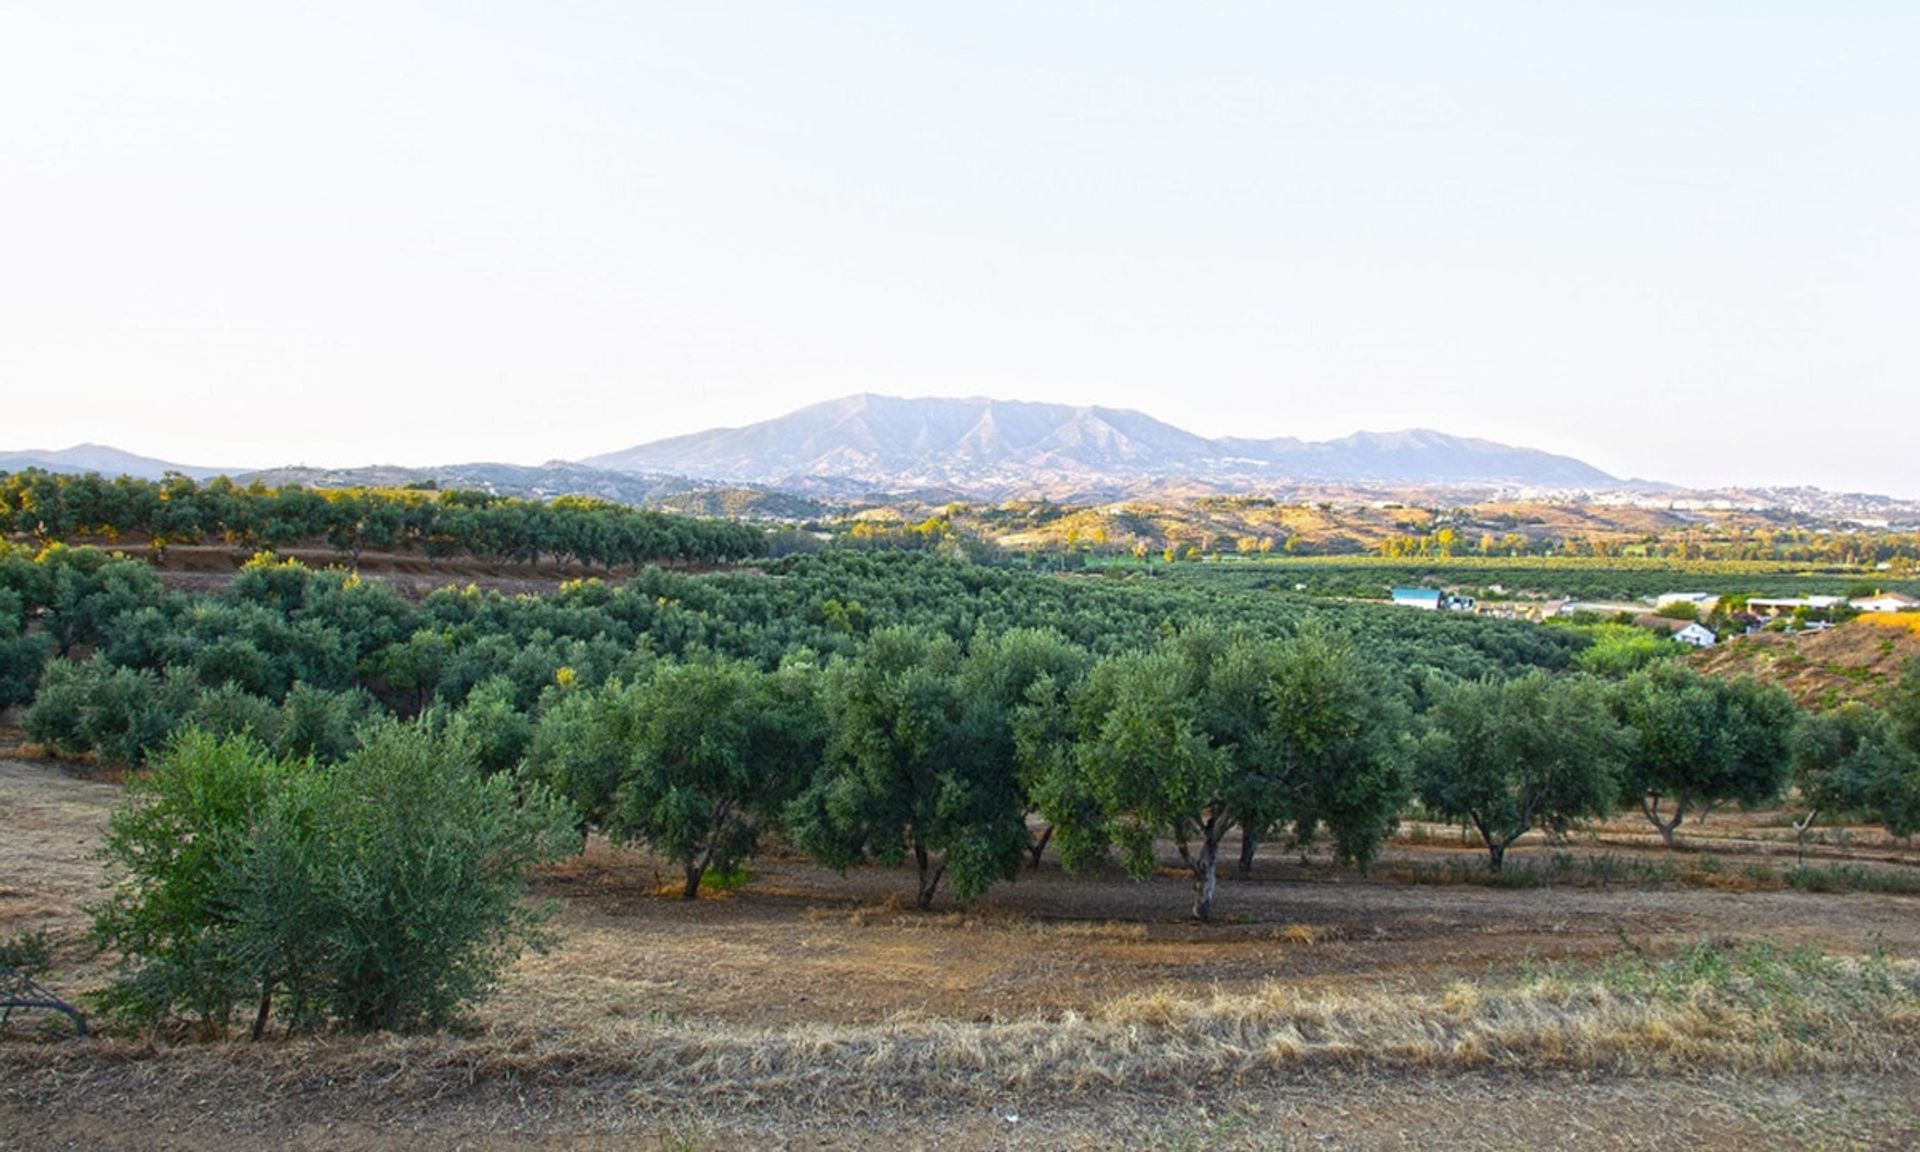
(1711, 1009)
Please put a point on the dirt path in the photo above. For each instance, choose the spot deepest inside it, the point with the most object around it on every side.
(1499, 1113)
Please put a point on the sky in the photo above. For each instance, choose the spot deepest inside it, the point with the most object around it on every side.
(1677, 241)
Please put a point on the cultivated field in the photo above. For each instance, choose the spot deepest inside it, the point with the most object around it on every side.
(1641, 999)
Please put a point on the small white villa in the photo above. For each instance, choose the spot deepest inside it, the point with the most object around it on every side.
(1886, 602)
(1426, 598)
(1432, 600)
(1686, 631)
(1698, 635)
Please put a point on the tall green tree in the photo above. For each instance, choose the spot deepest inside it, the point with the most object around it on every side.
(1332, 752)
(1145, 768)
(1208, 733)
(1506, 756)
(717, 749)
(915, 768)
(1701, 742)
(1855, 760)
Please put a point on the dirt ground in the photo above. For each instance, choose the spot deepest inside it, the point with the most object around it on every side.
(800, 951)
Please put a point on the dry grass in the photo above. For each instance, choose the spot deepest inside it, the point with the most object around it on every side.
(1712, 1008)
(1895, 621)
(814, 1004)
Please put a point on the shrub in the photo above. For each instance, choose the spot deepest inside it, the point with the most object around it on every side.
(382, 892)
(124, 714)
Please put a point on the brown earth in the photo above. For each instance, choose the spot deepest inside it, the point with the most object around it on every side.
(658, 1023)
(1858, 660)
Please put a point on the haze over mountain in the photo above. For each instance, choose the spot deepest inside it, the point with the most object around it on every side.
(997, 446)
(105, 460)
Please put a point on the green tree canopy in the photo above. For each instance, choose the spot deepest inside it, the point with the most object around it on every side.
(1506, 756)
(1702, 742)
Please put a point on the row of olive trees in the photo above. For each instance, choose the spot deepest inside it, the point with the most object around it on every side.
(924, 750)
(52, 507)
(1535, 751)
(966, 759)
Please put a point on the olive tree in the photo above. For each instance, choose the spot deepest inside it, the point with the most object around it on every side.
(1853, 759)
(716, 749)
(1330, 750)
(1206, 734)
(1506, 756)
(917, 766)
(1701, 742)
(382, 892)
(1143, 766)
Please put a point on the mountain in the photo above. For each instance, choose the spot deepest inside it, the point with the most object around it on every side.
(999, 447)
(82, 458)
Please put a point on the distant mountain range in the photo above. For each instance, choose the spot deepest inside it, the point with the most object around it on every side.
(1002, 447)
(99, 458)
(868, 449)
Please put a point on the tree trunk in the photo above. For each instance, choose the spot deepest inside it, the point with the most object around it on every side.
(1249, 844)
(1650, 806)
(1800, 830)
(266, 1006)
(1496, 848)
(1036, 846)
(930, 874)
(1204, 879)
(692, 890)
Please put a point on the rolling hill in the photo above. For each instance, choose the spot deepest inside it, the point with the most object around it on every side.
(82, 458)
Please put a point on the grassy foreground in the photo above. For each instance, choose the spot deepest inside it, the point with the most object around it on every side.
(1711, 1008)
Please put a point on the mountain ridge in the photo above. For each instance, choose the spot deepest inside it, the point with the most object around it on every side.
(991, 445)
(104, 459)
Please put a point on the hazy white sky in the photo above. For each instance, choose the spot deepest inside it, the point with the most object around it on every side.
(1679, 241)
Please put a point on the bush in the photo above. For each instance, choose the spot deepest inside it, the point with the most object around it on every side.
(379, 893)
(123, 714)
(321, 724)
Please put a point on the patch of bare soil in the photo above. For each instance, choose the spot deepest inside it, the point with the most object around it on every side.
(1859, 660)
(810, 1010)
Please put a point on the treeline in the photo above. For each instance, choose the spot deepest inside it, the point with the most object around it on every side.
(899, 706)
(1731, 543)
(1570, 577)
(571, 530)
(278, 624)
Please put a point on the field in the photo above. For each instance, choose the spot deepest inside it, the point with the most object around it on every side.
(1639, 999)
(1576, 577)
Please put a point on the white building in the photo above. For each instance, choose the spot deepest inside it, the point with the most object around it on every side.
(1427, 598)
(1886, 602)
(1698, 635)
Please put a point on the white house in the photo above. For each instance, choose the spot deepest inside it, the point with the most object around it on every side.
(1698, 635)
(1886, 602)
(1426, 598)
(1685, 631)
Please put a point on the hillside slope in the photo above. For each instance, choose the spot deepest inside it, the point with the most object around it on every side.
(1858, 660)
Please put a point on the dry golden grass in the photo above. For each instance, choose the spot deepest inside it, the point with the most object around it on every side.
(1893, 621)
(1717, 1010)
(813, 996)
